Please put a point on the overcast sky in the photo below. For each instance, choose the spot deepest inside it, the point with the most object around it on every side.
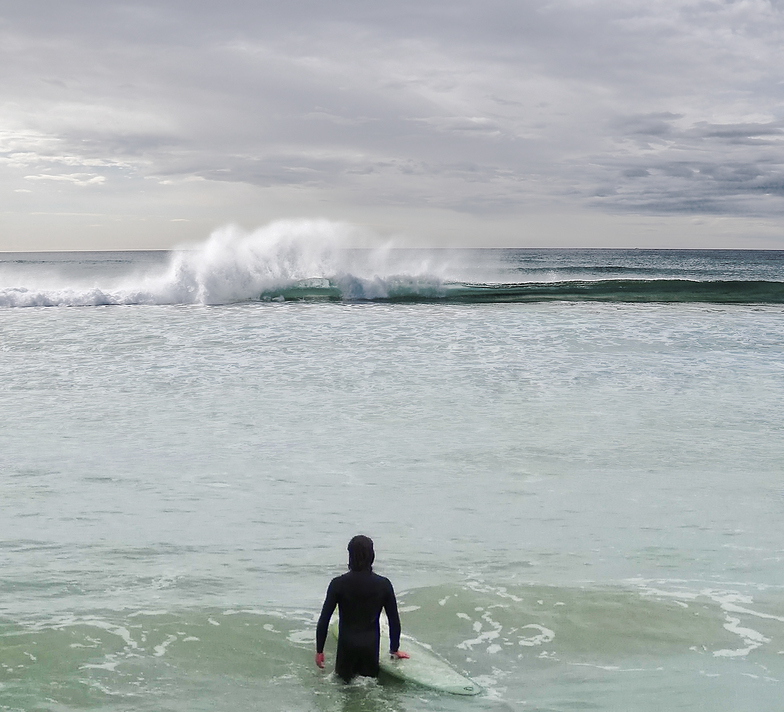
(441, 122)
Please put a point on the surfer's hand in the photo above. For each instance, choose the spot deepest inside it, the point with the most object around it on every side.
(400, 655)
(320, 660)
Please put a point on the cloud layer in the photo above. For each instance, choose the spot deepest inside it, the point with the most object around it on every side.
(502, 108)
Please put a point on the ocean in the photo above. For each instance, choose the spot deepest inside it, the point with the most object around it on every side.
(571, 463)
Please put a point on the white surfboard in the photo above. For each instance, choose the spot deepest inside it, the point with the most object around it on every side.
(423, 668)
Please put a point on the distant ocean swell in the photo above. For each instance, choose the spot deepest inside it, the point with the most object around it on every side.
(407, 289)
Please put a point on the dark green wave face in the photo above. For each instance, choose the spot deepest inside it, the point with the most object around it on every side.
(602, 290)
(627, 290)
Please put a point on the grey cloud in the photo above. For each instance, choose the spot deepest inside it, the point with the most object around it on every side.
(754, 134)
(500, 106)
(635, 172)
(734, 168)
(656, 125)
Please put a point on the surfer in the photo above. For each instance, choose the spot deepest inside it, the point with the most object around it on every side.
(360, 595)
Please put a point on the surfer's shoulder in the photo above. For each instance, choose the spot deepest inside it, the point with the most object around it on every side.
(337, 582)
(383, 580)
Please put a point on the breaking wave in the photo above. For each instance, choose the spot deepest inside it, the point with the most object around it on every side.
(313, 260)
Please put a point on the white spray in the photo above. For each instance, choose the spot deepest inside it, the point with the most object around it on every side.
(234, 265)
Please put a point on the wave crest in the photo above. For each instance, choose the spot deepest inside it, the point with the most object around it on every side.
(232, 266)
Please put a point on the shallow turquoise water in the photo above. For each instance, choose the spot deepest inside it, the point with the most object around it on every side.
(580, 505)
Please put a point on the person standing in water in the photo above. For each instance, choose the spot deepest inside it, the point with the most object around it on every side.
(360, 596)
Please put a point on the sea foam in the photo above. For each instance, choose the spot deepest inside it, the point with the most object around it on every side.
(234, 265)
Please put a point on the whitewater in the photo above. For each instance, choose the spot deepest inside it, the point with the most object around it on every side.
(570, 462)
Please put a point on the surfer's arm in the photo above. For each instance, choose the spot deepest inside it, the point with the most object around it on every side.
(326, 613)
(390, 606)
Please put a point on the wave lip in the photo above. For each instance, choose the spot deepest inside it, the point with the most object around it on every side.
(424, 289)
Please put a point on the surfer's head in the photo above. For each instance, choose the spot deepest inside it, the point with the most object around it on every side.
(360, 553)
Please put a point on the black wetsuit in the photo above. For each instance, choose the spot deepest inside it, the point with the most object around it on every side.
(360, 596)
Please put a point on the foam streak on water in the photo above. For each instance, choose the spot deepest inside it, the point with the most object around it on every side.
(580, 504)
